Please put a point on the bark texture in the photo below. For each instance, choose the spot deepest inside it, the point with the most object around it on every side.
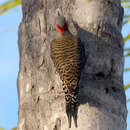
(102, 97)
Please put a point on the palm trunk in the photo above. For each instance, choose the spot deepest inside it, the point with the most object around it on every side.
(102, 97)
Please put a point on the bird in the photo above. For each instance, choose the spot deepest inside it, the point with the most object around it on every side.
(67, 53)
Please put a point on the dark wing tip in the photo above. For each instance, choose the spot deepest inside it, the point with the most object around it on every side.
(71, 111)
(75, 119)
(69, 120)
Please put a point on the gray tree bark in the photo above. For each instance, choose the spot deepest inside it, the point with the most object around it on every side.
(102, 97)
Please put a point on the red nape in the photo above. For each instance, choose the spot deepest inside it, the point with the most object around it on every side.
(61, 29)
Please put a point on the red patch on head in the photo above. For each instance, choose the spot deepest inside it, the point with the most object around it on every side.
(61, 29)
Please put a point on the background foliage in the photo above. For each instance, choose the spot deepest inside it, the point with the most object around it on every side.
(125, 3)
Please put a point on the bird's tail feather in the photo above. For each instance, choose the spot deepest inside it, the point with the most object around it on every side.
(71, 105)
(71, 110)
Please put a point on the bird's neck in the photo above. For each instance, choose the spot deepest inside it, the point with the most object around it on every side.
(66, 34)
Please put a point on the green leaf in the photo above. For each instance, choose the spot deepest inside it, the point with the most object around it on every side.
(9, 5)
(126, 21)
(127, 86)
(127, 69)
(127, 38)
(2, 129)
(125, 1)
(126, 55)
(13, 128)
(126, 6)
(127, 16)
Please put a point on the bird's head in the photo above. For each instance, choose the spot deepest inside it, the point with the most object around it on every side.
(61, 25)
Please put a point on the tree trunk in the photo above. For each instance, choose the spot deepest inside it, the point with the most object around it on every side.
(102, 97)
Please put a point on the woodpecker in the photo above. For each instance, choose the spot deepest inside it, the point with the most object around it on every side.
(66, 54)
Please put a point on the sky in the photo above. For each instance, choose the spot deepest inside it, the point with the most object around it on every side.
(9, 67)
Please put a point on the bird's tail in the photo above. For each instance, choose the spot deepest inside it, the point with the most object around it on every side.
(71, 109)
